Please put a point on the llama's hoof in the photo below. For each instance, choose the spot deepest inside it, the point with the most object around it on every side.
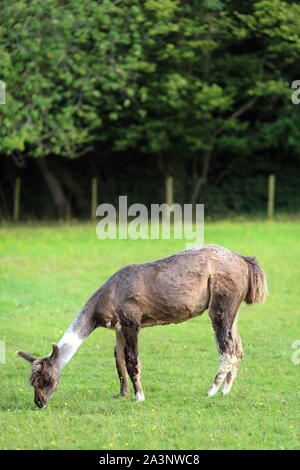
(213, 390)
(120, 395)
(226, 388)
(139, 396)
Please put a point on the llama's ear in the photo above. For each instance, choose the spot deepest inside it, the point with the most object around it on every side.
(26, 356)
(55, 352)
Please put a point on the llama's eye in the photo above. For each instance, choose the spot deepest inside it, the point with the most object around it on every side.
(47, 383)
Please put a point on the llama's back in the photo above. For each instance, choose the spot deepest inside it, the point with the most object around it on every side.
(188, 272)
(179, 285)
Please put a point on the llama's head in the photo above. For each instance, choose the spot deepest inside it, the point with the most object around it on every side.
(45, 375)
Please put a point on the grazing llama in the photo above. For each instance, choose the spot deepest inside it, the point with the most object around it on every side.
(169, 290)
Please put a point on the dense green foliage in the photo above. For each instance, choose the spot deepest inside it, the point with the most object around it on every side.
(197, 89)
(179, 362)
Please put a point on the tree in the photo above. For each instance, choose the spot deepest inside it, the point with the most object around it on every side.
(198, 85)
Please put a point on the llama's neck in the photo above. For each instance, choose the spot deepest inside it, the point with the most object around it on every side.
(80, 328)
(68, 346)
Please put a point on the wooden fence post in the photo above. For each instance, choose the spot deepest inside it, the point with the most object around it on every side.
(271, 196)
(17, 193)
(169, 197)
(94, 198)
(169, 191)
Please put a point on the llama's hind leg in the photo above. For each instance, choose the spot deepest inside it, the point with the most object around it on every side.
(227, 368)
(229, 379)
(121, 364)
(238, 352)
(223, 310)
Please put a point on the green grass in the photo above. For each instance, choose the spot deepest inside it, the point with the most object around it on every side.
(48, 272)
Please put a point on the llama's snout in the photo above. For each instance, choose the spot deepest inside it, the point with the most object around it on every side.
(39, 399)
(40, 403)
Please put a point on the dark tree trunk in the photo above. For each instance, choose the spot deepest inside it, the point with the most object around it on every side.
(60, 201)
(3, 205)
(70, 183)
(201, 180)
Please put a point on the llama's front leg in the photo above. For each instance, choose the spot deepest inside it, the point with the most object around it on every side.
(132, 359)
(121, 364)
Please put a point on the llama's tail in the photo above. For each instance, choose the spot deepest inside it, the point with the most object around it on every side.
(257, 283)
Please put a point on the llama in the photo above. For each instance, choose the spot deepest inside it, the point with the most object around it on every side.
(169, 290)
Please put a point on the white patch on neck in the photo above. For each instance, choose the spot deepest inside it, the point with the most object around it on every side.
(68, 344)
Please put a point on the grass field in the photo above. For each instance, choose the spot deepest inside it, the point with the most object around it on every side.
(48, 272)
